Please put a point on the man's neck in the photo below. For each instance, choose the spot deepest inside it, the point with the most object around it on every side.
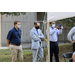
(16, 28)
(51, 26)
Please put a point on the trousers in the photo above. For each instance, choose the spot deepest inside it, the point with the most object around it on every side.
(16, 52)
(73, 47)
(54, 49)
(38, 52)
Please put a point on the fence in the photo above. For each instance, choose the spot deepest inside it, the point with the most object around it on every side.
(63, 38)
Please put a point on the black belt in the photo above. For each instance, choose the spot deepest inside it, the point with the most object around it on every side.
(53, 42)
(15, 44)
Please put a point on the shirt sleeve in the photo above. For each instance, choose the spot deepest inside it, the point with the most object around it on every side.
(73, 53)
(41, 35)
(34, 37)
(9, 35)
(52, 31)
(59, 31)
(70, 34)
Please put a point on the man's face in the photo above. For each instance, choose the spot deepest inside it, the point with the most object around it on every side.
(37, 26)
(18, 24)
(53, 23)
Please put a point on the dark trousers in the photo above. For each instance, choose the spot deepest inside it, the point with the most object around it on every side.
(54, 49)
(73, 47)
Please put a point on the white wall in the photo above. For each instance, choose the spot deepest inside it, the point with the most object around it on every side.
(8, 22)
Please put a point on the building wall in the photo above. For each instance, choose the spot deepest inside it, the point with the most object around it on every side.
(27, 22)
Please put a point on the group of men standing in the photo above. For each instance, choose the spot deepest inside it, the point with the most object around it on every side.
(14, 41)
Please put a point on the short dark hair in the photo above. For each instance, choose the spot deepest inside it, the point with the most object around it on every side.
(35, 23)
(15, 22)
(50, 23)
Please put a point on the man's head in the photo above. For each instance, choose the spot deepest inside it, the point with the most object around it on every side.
(17, 24)
(51, 23)
(36, 25)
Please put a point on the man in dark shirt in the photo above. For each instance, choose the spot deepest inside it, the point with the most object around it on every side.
(14, 42)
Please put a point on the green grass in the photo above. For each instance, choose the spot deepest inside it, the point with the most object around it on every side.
(28, 55)
(6, 56)
(64, 49)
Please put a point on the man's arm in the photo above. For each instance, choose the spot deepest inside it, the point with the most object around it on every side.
(34, 37)
(41, 35)
(9, 37)
(73, 56)
(59, 31)
(69, 35)
(8, 42)
(53, 30)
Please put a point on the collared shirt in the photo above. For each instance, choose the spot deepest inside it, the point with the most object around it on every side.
(54, 32)
(14, 36)
(71, 34)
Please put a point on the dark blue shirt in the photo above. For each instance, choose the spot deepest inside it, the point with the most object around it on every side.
(14, 36)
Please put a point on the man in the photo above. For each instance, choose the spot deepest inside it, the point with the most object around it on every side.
(14, 42)
(36, 36)
(54, 32)
(71, 37)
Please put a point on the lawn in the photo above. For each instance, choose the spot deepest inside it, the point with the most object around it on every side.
(6, 56)
(27, 55)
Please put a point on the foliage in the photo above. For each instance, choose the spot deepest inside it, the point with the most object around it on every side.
(69, 21)
(13, 13)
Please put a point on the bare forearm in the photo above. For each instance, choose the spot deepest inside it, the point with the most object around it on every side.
(8, 42)
(73, 57)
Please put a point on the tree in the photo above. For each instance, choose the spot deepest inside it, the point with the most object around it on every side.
(13, 13)
(70, 21)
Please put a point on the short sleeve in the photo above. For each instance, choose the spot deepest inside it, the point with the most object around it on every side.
(9, 35)
(73, 53)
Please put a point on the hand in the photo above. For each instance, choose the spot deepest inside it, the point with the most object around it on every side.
(72, 41)
(57, 26)
(46, 40)
(37, 36)
(61, 27)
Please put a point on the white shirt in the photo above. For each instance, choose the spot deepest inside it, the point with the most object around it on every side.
(54, 34)
(71, 34)
(73, 53)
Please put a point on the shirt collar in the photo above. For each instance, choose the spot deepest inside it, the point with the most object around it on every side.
(51, 27)
(34, 28)
(16, 29)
